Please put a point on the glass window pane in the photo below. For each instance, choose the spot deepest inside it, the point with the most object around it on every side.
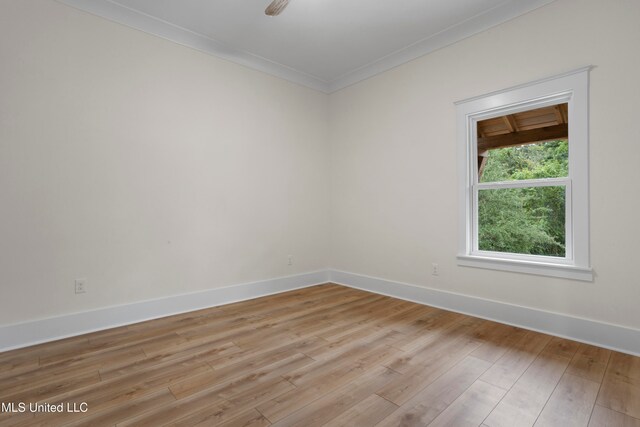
(533, 161)
(530, 144)
(522, 220)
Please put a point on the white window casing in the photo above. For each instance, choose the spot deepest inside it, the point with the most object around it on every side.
(572, 88)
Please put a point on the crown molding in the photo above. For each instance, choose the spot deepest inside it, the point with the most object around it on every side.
(123, 15)
(474, 25)
(149, 24)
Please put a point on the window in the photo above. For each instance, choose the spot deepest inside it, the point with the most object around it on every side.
(524, 178)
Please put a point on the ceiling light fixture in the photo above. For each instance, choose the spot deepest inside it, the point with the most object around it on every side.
(276, 7)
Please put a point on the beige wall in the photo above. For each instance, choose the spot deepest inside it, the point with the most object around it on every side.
(394, 160)
(149, 168)
(152, 169)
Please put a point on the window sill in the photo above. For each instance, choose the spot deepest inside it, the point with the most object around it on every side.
(528, 267)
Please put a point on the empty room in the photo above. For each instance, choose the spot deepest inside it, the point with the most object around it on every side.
(319, 213)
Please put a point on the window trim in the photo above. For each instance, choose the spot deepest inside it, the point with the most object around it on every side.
(572, 88)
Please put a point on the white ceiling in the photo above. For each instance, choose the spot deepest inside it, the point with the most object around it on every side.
(323, 44)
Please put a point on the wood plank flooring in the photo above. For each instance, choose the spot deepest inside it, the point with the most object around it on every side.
(322, 356)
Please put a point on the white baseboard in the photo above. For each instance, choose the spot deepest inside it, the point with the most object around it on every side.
(614, 337)
(44, 330)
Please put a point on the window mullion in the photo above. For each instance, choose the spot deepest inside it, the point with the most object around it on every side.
(525, 183)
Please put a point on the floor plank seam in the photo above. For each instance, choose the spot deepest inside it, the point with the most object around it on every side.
(390, 401)
(288, 380)
(386, 366)
(494, 406)
(604, 375)
(618, 412)
(265, 417)
(525, 370)
(564, 372)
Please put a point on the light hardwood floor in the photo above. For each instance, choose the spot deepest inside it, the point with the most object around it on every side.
(325, 355)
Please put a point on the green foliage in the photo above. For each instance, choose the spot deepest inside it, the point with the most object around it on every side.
(524, 220)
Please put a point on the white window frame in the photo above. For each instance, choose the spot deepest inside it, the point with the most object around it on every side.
(572, 88)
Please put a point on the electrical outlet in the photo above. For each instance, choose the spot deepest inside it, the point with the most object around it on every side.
(435, 269)
(290, 260)
(81, 286)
